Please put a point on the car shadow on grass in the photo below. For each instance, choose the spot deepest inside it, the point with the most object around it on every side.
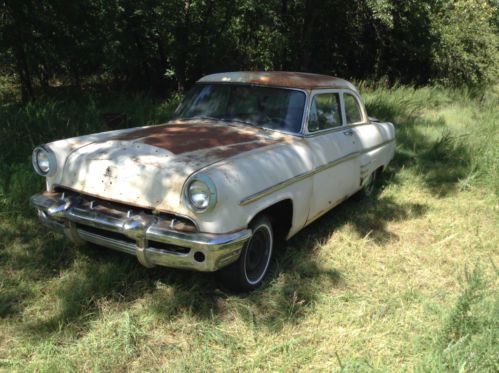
(29, 254)
(89, 277)
(296, 278)
(440, 160)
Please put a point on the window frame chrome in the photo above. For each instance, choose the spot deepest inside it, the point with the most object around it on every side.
(309, 106)
(341, 92)
(360, 105)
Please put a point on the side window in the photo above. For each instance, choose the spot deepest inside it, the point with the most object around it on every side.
(324, 112)
(352, 109)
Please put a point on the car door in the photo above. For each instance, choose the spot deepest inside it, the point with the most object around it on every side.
(374, 138)
(335, 148)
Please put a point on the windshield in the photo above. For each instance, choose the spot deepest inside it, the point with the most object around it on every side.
(265, 107)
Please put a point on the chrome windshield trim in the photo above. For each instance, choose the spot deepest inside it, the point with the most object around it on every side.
(300, 133)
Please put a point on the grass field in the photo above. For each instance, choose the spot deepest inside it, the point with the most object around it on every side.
(405, 281)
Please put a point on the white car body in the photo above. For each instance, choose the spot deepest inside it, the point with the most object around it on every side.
(253, 169)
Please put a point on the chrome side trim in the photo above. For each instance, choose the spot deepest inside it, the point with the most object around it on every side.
(295, 179)
(377, 146)
(283, 184)
(326, 131)
(344, 127)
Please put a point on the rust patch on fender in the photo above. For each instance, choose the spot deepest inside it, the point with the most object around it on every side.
(180, 139)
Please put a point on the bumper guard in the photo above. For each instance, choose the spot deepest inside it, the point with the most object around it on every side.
(136, 234)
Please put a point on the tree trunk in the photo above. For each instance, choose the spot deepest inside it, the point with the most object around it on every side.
(24, 73)
(183, 46)
(310, 16)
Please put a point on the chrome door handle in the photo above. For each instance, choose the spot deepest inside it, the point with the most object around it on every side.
(348, 133)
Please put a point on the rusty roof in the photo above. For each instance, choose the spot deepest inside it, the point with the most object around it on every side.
(285, 79)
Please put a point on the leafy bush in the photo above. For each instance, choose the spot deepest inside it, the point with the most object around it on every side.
(467, 47)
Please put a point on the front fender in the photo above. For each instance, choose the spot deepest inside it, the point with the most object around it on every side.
(250, 174)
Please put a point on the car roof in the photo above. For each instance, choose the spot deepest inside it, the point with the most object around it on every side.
(285, 79)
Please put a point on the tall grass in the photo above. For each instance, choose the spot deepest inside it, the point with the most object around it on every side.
(469, 337)
(449, 134)
(48, 119)
(386, 284)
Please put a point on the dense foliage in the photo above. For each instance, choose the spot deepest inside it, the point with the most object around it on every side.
(168, 44)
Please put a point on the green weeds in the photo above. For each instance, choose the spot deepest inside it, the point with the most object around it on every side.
(470, 334)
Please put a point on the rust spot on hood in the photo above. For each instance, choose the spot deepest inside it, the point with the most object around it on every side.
(185, 138)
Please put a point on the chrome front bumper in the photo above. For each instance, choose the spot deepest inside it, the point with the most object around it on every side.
(150, 238)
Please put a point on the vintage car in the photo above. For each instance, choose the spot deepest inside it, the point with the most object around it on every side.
(249, 157)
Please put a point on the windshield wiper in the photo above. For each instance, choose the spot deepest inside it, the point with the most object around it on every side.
(247, 123)
(206, 117)
(200, 117)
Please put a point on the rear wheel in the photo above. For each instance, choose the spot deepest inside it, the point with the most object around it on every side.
(368, 188)
(248, 272)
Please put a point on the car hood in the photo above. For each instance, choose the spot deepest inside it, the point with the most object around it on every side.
(147, 167)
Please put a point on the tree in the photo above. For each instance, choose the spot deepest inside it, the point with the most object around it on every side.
(164, 45)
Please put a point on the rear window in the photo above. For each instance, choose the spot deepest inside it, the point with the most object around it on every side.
(352, 109)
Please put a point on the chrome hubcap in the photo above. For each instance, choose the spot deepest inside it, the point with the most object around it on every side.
(369, 188)
(257, 255)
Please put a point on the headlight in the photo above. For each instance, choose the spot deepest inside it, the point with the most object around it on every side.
(200, 193)
(44, 161)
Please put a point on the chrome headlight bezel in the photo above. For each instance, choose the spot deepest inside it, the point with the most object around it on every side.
(50, 157)
(212, 193)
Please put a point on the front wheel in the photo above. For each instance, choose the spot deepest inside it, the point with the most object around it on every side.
(248, 272)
